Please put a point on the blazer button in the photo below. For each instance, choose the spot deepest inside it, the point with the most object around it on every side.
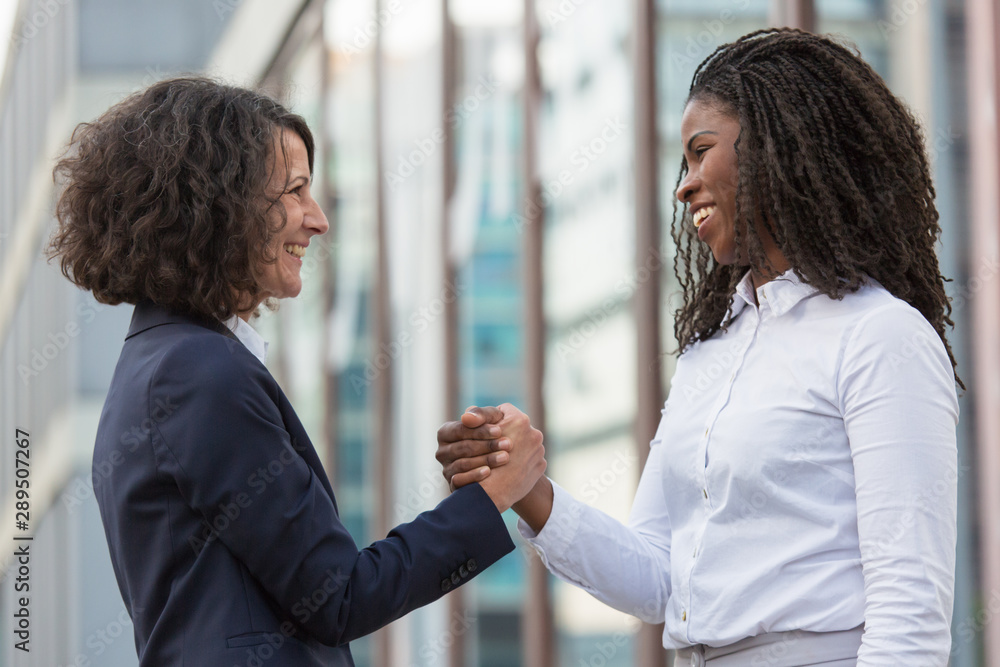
(463, 571)
(455, 579)
(446, 585)
(472, 565)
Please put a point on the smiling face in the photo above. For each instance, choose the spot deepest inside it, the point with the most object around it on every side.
(709, 136)
(304, 219)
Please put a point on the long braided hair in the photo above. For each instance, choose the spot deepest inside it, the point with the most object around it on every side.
(834, 166)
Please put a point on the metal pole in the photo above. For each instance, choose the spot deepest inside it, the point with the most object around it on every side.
(794, 14)
(456, 600)
(325, 139)
(649, 649)
(382, 427)
(982, 32)
(537, 627)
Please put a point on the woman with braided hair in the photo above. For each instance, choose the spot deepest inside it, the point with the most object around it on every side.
(798, 506)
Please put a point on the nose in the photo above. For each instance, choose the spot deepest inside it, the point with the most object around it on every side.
(315, 220)
(688, 186)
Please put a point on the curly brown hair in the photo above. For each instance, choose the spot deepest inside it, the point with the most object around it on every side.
(165, 197)
(821, 138)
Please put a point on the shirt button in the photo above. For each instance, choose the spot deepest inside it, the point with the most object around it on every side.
(705, 491)
(684, 616)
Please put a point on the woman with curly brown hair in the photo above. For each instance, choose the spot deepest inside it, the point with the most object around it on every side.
(192, 201)
(798, 506)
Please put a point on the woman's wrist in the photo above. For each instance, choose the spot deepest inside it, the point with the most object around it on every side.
(536, 507)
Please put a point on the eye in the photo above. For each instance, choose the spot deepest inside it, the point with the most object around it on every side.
(700, 150)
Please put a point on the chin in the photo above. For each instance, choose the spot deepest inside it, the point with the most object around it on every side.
(291, 292)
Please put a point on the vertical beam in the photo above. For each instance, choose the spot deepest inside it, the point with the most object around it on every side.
(456, 600)
(326, 269)
(649, 650)
(382, 428)
(794, 14)
(537, 627)
(982, 32)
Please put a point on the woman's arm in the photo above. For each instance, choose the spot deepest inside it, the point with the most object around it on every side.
(898, 399)
(481, 440)
(235, 458)
(627, 567)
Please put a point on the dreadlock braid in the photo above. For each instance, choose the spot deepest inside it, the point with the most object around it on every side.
(822, 139)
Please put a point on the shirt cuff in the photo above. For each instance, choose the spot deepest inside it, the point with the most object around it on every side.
(561, 528)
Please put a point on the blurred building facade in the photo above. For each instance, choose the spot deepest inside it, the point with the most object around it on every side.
(499, 180)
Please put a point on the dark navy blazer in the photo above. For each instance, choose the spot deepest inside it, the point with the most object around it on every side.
(222, 525)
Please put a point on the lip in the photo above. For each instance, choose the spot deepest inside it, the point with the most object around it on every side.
(704, 223)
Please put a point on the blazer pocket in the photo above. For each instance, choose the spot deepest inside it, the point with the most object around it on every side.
(249, 639)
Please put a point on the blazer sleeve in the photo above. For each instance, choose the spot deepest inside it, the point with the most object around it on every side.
(226, 447)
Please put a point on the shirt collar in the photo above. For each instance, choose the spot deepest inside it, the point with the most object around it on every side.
(249, 337)
(780, 294)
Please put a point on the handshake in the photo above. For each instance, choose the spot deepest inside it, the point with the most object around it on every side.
(497, 447)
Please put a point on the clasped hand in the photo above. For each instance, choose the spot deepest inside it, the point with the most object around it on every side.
(498, 447)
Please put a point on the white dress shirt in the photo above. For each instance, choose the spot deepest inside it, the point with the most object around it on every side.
(803, 477)
(247, 335)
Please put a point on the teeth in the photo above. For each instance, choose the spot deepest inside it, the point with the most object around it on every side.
(295, 250)
(701, 214)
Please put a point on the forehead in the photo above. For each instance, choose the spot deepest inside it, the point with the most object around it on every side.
(701, 114)
(291, 152)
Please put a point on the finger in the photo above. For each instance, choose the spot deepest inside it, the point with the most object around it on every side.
(465, 465)
(476, 415)
(462, 479)
(456, 431)
(465, 449)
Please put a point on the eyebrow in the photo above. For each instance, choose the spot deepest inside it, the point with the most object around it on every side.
(698, 134)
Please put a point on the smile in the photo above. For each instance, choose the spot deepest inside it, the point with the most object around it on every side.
(702, 213)
(295, 250)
